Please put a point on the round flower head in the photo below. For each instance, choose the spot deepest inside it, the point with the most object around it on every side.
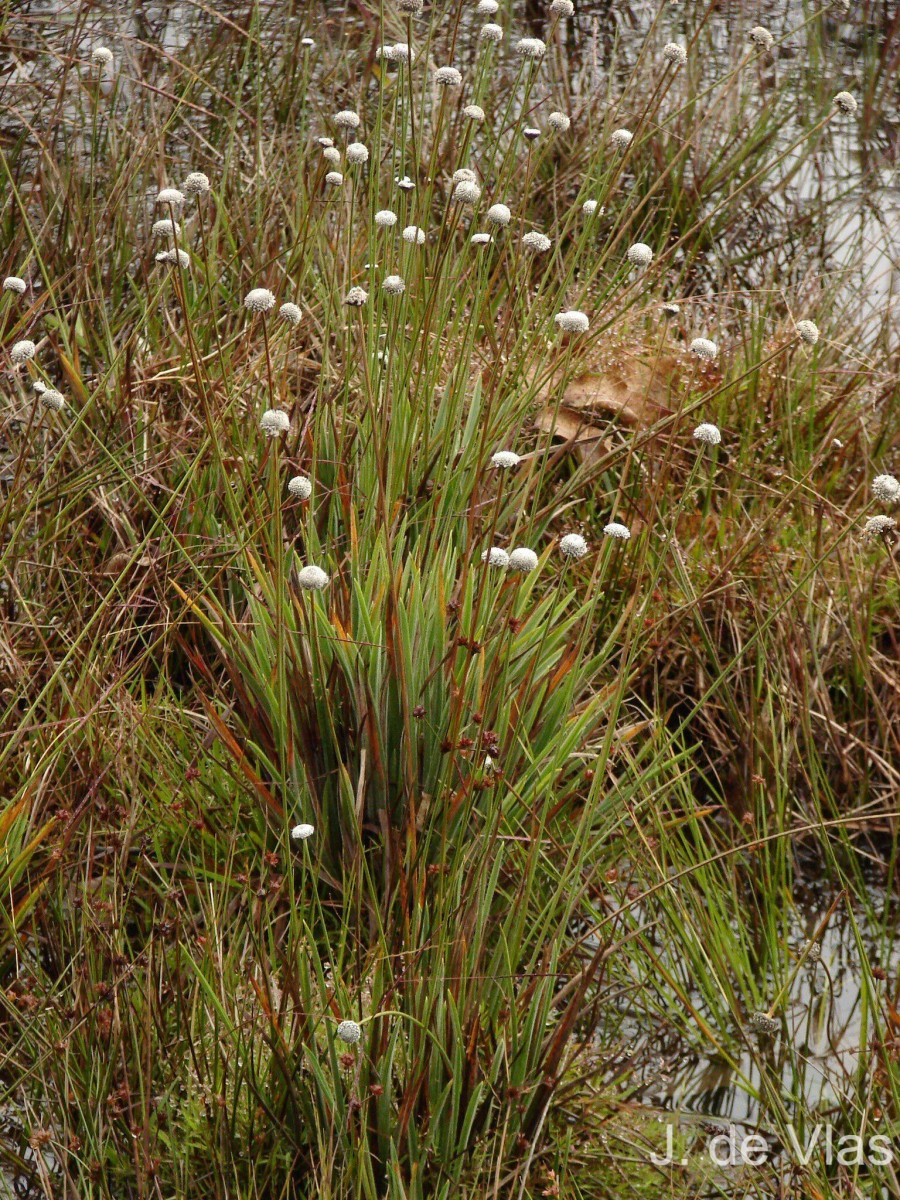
(334, 178)
(178, 257)
(405, 184)
(559, 121)
(761, 38)
(763, 1023)
(53, 400)
(486, 8)
(495, 557)
(170, 196)
(671, 309)
(499, 214)
(291, 313)
(308, 43)
(300, 487)
(474, 112)
(413, 234)
(466, 192)
(621, 138)
(886, 489)
(385, 218)
(538, 242)
(313, 579)
(196, 184)
(615, 530)
(356, 297)
(708, 434)
(491, 33)
(410, 6)
(12, 283)
(464, 175)
(332, 155)
(704, 349)
(845, 102)
(675, 54)
(301, 832)
(640, 255)
(357, 153)
(808, 331)
(101, 56)
(447, 77)
(573, 545)
(347, 119)
(530, 48)
(23, 351)
(481, 239)
(505, 459)
(325, 142)
(572, 321)
(394, 285)
(349, 1031)
(39, 386)
(166, 228)
(523, 559)
(562, 8)
(589, 208)
(274, 423)
(402, 52)
(877, 526)
(259, 300)
(531, 133)
(384, 54)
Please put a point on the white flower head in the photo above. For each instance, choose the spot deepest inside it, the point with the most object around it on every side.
(413, 234)
(169, 196)
(523, 559)
(23, 351)
(495, 557)
(640, 255)
(464, 175)
(590, 207)
(394, 285)
(166, 228)
(846, 103)
(291, 313)
(308, 43)
(886, 489)
(384, 54)
(670, 308)
(481, 239)
(196, 184)
(675, 54)
(332, 155)
(505, 460)
(301, 832)
(259, 300)
(486, 8)
(173, 258)
(414, 7)
(357, 153)
(878, 526)
(621, 138)
(447, 77)
(313, 579)
(403, 52)
(562, 8)
(709, 434)
(349, 1031)
(808, 332)
(466, 192)
(538, 242)
(101, 56)
(12, 283)
(325, 142)
(53, 400)
(356, 297)
(474, 112)
(347, 119)
(491, 33)
(274, 422)
(531, 133)
(615, 530)
(384, 219)
(704, 349)
(405, 184)
(499, 214)
(573, 545)
(572, 321)
(761, 1022)
(559, 121)
(334, 178)
(761, 38)
(532, 48)
(300, 487)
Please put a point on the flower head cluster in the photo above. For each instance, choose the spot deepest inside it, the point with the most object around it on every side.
(878, 526)
(621, 138)
(562, 8)
(474, 112)
(499, 214)
(590, 207)
(291, 313)
(334, 178)
(709, 434)
(491, 33)
(640, 255)
(496, 556)
(274, 422)
(447, 77)
(349, 1031)
(101, 56)
(572, 321)
(413, 234)
(313, 579)
(886, 489)
(259, 300)
(846, 103)
(522, 559)
(505, 459)
(486, 8)
(23, 351)
(12, 283)
(538, 242)
(675, 54)
(616, 530)
(704, 349)
(300, 833)
(356, 297)
(196, 184)
(384, 218)
(53, 400)
(808, 332)
(357, 153)
(173, 258)
(532, 48)
(573, 545)
(481, 239)
(394, 285)
(559, 121)
(762, 1023)
(347, 119)
(761, 38)
(466, 192)
(166, 228)
(169, 196)
(300, 487)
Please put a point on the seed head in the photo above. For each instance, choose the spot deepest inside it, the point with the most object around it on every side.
(523, 559)
(532, 48)
(349, 1031)
(170, 196)
(466, 193)
(12, 283)
(590, 207)
(325, 141)
(846, 103)
(313, 579)
(761, 38)
(886, 489)
(291, 313)
(763, 1023)
(486, 8)
(301, 832)
(640, 255)
(671, 309)
(704, 349)
(394, 285)
(531, 133)
(447, 77)
(708, 434)
(403, 52)
(308, 43)
(505, 460)
(405, 184)
(259, 300)
(178, 257)
(196, 184)
(356, 297)
(413, 234)
(384, 219)
(562, 8)
(332, 155)
(481, 239)
(464, 175)
(615, 530)
(334, 178)
(274, 423)
(559, 121)
(491, 33)
(495, 557)
(166, 228)
(474, 112)
(573, 545)
(813, 952)
(22, 351)
(538, 242)
(53, 400)
(572, 321)
(675, 54)
(300, 487)
(878, 526)
(499, 214)
(621, 138)
(808, 332)
(101, 56)
(410, 6)
(357, 153)
(347, 119)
